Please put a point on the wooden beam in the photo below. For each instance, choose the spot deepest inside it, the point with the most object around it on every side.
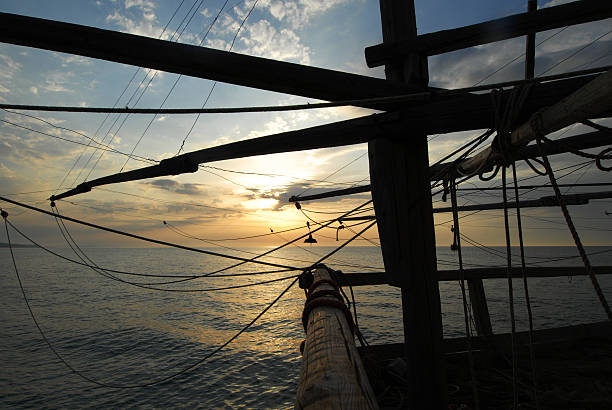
(467, 112)
(332, 375)
(339, 133)
(378, 278)
(587, 102)
(563, 145)
(495, 30)
(194, 61)
(402, 202)
(532, 7)
(545, 201)
(541, 337)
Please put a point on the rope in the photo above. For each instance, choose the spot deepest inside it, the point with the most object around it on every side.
(525, 287)
(574, 233)
(127, 386)
(510, 290)
(468, 332)
(414, 97)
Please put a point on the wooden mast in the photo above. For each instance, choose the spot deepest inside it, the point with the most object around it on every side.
(399, 171)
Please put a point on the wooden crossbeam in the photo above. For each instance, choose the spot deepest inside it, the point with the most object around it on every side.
(378, 278)
(194, 61)
(495, 30)
(563, 145)
(445, 114)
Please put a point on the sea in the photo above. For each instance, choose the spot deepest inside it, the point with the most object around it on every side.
(115, 333)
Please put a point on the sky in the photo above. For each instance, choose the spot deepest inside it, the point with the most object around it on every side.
(42, 154)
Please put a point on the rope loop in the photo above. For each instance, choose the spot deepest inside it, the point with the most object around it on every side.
(533, 168)
(602, 155)
(494, 173)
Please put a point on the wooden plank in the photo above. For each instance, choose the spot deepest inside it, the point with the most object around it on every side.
(399, 175)
(194, 61)
(378, 278)
(541, 337)
(563, 145)
(332, 375)
(495, 30)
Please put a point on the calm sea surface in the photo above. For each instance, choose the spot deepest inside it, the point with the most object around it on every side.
(121, 334)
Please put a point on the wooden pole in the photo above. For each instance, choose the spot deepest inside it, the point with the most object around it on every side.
(399, 171)
(332, 375)
(532, 6)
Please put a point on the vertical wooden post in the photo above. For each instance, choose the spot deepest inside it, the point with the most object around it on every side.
(480, 308)
(532, 5)
(399, 172)
(332, 375)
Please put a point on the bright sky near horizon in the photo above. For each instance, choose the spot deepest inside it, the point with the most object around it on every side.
(216, 203)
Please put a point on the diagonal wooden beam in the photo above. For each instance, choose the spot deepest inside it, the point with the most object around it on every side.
(495, 30)
(331, 135)
(194, 61)
(577, 142)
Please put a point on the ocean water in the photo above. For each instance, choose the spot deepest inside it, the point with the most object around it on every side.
(116, 333)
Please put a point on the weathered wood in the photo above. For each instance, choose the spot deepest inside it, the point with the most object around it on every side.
(399, 174)
(503, 340)
(532, 6)
(194, 61)
(332, 375)
(563, 145)
(480, 308)
(495, 30)
(378, 278)
(586, 102)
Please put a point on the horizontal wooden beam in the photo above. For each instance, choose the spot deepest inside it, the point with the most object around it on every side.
(503, 340)
(563, 145)
(194, 61)
(378, 278)
(545, 201)
(495, 30)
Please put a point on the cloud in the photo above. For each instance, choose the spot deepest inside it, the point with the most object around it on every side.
(75, 59)
(263, 39)
(297, 14)
(34, 90)
(171, 185)
(57, 82)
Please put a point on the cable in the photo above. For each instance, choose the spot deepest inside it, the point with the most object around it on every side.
(129, 386)
(574, 53)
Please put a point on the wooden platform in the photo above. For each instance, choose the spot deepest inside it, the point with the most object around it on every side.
(573, 367)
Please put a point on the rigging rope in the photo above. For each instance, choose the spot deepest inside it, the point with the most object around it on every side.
(468, 331)
(574, 233)
(525, 287)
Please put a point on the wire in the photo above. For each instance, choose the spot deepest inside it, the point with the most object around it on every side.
(149, 383)
(574, 53)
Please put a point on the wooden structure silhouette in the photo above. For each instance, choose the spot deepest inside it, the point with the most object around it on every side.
(397, 138)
